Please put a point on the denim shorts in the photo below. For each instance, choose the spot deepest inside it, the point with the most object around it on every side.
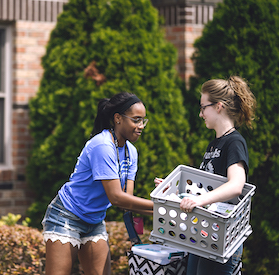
(61, 224)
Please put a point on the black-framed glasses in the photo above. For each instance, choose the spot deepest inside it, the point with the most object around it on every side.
(138, 120)
(202, 108)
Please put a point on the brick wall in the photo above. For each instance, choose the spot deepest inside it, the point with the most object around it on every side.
(192, 32)
(184, 23)
(183, 37)
(30, 39)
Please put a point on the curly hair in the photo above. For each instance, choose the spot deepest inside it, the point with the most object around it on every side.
(235, 94)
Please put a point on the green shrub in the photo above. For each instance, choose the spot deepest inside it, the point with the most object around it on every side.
(125, 39)
(12, 219)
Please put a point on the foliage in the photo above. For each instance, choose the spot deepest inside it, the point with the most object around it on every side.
(12, 219)
(125, 40)
(23, 250)
(243, 40)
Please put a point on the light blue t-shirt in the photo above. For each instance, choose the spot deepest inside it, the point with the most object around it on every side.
(84, 194)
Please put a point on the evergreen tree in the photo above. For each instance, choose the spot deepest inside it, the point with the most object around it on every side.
(99, 48)
(243, 40)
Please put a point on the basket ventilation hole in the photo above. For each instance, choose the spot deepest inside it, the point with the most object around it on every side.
(183, 226)
(183, 216)
(167, 187)
(215, 226)
(194, 220)
(214, 246)
(203, 243)
(209, 188)
(205, 223)
(194, 230)
(199, 185)
(173, 213)
(162, 210)
(182, 236)
(193, 240)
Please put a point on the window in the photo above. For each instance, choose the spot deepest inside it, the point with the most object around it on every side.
(5, 95)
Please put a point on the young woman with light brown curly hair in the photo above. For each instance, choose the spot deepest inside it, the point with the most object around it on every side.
(224, 105)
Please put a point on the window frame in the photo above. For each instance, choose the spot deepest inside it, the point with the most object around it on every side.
(6, 94)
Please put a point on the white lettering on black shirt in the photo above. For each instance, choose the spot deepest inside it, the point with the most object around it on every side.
(214, 154)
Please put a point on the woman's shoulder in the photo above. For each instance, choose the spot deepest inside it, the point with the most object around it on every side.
(237, 136)
(101, 139)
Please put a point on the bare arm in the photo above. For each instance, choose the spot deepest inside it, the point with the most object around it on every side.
(130, 187)
(126, 200)
(130, 190)
(232, 188)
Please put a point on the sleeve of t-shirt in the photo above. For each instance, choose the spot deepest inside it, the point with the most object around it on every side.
(103, 162)
(237, 152)
(133, 162)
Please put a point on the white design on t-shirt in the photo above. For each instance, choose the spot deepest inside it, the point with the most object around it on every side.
(215, 154)
(209, 167)
(124, 168)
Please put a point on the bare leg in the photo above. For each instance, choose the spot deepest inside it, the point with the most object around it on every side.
(60, 258)
(95, 258)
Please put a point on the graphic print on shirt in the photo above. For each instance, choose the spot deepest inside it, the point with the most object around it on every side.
(208, 167)
(124, 167)
(207, 164)
(211, 155)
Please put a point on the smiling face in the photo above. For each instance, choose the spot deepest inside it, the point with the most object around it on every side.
(126, 127)
(208, 111)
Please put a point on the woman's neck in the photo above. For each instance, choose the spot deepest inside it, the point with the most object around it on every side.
(120, 141)
(225, 130)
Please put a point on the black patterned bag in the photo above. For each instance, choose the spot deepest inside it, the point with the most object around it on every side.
(142, 266)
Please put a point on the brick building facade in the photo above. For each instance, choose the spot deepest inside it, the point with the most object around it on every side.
(25, 27)
(184, 22)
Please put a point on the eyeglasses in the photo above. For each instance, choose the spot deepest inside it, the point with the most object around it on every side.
(202, 108)
(138, 120)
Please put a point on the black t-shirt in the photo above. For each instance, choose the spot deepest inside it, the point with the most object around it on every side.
(225, 151)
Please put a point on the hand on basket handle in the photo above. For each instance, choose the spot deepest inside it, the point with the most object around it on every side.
(158, 181)
(189, 203)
